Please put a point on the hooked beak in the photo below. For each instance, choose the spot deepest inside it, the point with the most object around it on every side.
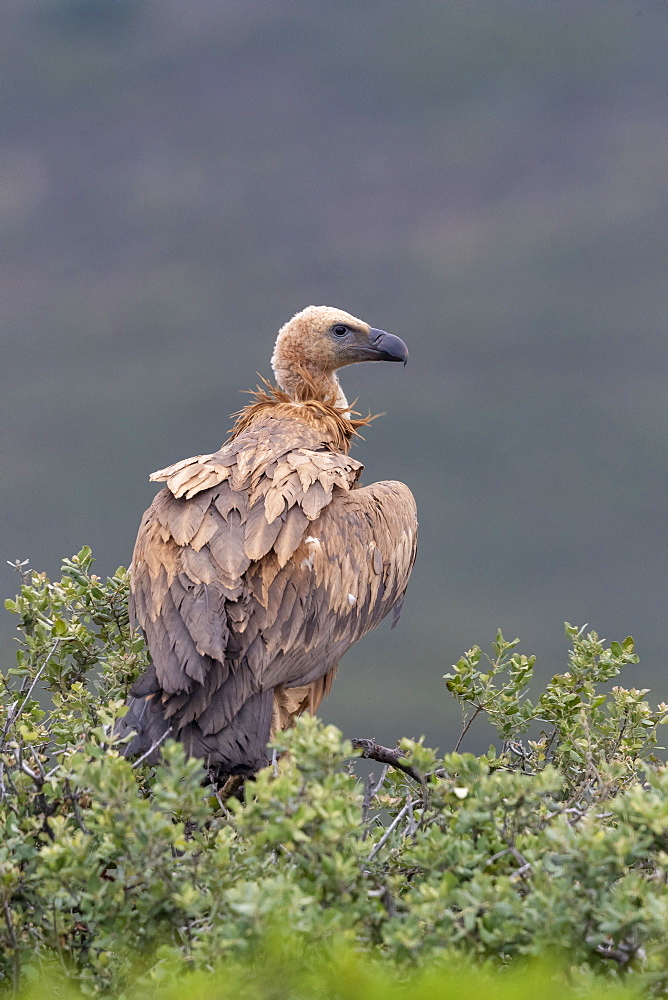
(382, 346)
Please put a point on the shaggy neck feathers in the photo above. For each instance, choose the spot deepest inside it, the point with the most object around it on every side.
(324, 385)
(337, 423)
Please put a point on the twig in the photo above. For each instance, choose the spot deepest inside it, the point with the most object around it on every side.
(525, 865)
(467, 725)
(614, 750)
(229, 787)
(384, 755)
(391, 828)
(412, 825)
(517, 748)
(72, 796)
(56, 938)
(16, 957)
(495, 857)
(13, 719)
(29, 771)
(40, 766)
(386, 898)
(370, 792)
(155, 746)
(218, 798)
(622, 955)
(18, 757)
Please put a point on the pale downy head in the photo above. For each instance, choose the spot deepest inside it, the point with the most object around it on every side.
(321, 339)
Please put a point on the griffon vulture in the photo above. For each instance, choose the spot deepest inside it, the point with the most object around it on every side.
(259, 565)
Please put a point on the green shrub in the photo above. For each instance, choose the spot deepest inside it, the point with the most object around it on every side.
(117, 873)
(340, 973)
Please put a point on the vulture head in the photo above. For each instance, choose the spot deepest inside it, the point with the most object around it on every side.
(321, 339)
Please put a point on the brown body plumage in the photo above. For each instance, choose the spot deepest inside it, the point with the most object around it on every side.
(259, 565)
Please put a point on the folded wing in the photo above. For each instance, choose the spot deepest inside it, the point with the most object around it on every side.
(255, 569)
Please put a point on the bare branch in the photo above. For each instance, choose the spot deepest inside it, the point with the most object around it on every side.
(391, 828)
(12, 718)
(495, 857)
(467, 725)
(153, 747)
(370, 792)
(31, 774)
(73, 796)
(231, 786)
(384, 755)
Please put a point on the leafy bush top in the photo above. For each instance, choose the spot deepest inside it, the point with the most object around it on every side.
(555, 841)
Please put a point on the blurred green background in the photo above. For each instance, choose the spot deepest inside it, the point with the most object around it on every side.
(484, 179)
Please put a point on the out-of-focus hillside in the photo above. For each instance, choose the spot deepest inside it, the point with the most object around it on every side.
(486, 180)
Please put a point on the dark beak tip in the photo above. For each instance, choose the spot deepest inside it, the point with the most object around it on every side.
(382, 346)
(392, 348)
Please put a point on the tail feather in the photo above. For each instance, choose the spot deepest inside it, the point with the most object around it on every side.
(239, 748)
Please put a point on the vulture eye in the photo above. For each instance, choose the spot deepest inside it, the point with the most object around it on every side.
(340, 330)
